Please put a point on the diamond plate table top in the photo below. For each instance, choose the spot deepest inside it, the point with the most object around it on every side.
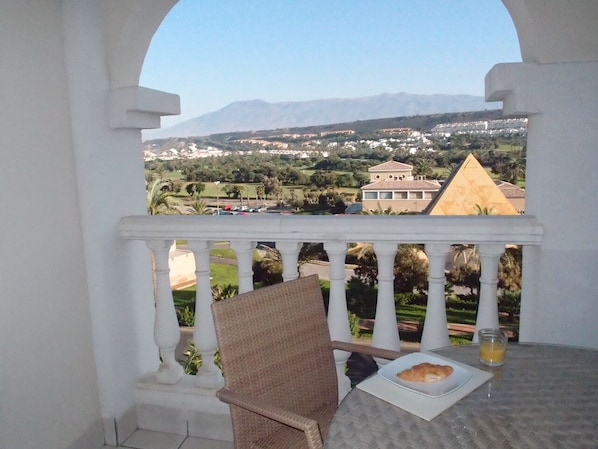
(544, 397)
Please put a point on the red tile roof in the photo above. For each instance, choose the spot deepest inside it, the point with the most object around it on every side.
(391, 166)
(510, 190)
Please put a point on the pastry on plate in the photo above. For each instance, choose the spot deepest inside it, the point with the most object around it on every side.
(426, 372)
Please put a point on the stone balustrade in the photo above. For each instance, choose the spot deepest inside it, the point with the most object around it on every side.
(289, 232)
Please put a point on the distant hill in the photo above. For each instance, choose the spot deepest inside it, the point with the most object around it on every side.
(257, 115)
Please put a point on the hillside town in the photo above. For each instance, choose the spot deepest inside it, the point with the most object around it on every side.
(308, 144)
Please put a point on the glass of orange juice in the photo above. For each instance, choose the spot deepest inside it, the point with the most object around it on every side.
(493, 345)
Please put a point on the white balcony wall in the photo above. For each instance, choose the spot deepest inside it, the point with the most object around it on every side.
(560, 277)
(48, 384)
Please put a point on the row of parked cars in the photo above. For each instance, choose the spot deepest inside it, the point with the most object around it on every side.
(239, 210)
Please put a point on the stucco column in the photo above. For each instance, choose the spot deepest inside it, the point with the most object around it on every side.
(289, 252)
(244, 251)
(101, 41)
(559, 293)
(386, 330)
(338, 321)
(435, 333)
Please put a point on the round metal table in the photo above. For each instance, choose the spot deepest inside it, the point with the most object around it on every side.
(544, 397)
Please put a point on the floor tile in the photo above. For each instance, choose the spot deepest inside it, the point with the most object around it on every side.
(202, 443)
(147, 439)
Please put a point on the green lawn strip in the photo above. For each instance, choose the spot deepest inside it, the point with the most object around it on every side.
(410, 312)
(227, 274)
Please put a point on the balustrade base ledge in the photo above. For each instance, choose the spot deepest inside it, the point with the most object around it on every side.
(182, 409)
(183, 394)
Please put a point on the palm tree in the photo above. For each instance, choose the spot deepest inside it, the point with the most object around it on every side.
(479, 210)
(161, 199)
(200, 206)
(469, 253)
(515, 170)
(379, 211)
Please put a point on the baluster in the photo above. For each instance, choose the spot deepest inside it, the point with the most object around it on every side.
(244, 250)
(204, 334)
(338, 320)
(435, 334)
(490, 255)
(289, 252)
(166, 326)
(386, 330)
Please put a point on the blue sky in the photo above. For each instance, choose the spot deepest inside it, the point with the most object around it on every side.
(215, 52)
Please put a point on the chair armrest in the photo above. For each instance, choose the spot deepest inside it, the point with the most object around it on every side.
(365, 349)
(308, 426)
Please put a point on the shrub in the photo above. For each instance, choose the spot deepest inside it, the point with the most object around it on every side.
(186, 316)
(354, 324)
(192, 363)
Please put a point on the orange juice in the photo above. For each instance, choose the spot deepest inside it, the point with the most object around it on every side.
(492, 352)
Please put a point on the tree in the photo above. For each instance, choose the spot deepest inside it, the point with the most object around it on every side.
(410, 269)
(260, 192)
(323, 179)
(466, 270)
(242, 190)
(200, 206)
(232, 190)
(378, 211)
(161, 200)
(195, 188)
(361, 178)
(423, 167)
(479, 210)
(514, 171)
(272, 186)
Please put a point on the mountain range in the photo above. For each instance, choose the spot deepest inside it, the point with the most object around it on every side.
(257, 115)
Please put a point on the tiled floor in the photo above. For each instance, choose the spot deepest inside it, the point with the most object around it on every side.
(147, 439)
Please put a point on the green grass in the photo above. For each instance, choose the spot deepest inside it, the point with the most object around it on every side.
(410, 312)
(221, 275)
(227, 275)
(226, 253)
(224, 275)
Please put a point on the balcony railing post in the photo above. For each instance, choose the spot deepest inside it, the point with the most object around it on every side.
(490, 255)
(338, 320)
(204, 334)
(244, 250)
(166, 326)
(289, 252)
(435, 333)
(386, 330)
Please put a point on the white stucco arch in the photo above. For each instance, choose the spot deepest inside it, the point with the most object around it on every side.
(555, 31)
(130, 26)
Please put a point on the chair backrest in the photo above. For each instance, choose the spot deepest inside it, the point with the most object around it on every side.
(275, 346)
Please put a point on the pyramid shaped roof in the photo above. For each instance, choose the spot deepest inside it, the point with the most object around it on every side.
(468, 187)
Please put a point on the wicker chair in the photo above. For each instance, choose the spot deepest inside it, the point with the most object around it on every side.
(279, 371)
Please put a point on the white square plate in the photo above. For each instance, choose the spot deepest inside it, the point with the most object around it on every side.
(456, 380)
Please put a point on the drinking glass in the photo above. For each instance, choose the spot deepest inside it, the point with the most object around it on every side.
(493, 345)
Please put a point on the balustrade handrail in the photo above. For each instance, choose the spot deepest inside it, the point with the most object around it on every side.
(516, 229)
